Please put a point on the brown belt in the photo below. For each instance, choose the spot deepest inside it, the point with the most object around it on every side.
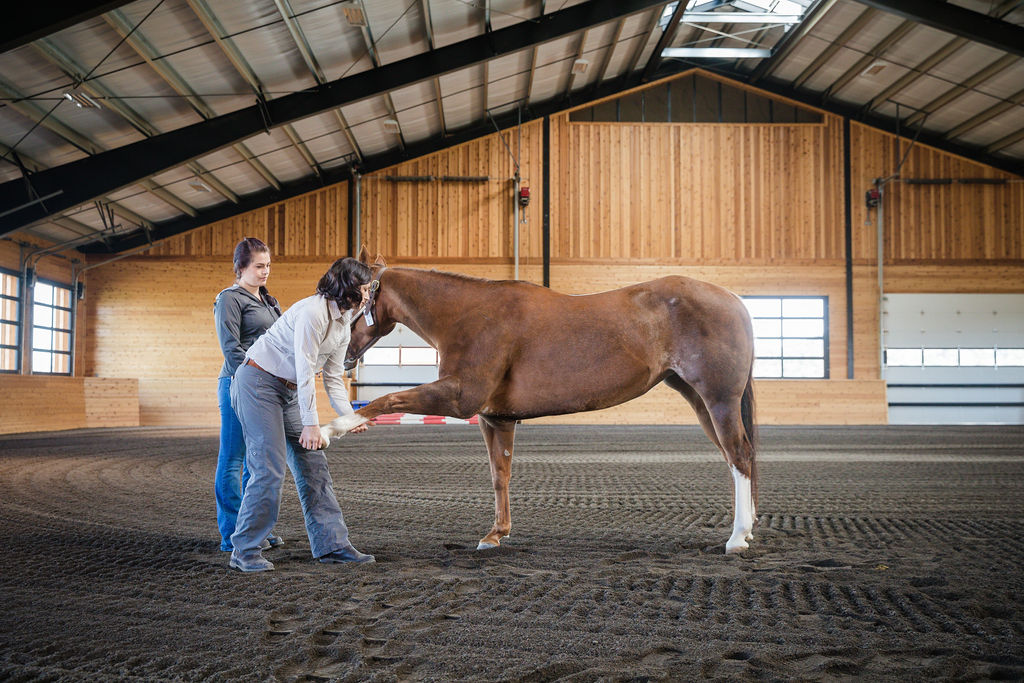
(290, 385)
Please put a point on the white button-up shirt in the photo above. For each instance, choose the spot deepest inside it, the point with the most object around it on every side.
(311, 336)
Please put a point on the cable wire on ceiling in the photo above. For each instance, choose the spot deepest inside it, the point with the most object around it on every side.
(77, 83)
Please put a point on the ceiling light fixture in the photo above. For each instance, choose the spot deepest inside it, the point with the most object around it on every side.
(354, 13)
(874, 69)
(580, 65)
(81, 99)
(198, 185)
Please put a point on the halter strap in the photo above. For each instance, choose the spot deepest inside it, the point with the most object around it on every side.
(371, 306)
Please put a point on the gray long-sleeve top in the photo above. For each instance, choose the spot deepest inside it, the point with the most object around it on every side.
(241, 318)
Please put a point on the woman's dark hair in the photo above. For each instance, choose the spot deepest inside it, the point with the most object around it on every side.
(244, 251)
(342, 282)
(243, 257)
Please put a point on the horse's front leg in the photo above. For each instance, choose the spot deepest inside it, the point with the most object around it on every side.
(499, 436)
(443, 397)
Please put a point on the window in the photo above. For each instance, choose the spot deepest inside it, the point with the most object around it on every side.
(952, 358)
(400, 355)
(51, 329)
(10, 322)
(790, 336)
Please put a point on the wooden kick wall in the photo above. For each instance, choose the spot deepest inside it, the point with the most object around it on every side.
(758, 208)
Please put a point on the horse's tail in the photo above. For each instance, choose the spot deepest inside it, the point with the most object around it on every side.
(750, 427)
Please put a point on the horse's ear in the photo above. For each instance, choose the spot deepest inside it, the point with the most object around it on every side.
(379, 261)
(364, 255)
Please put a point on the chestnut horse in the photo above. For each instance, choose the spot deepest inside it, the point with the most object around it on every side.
(512, 350)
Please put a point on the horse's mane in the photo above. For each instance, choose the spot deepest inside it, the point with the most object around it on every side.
(454, 276)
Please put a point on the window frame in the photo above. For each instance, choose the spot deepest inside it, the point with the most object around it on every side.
(782, 357)
(17, 322)
(70, 308)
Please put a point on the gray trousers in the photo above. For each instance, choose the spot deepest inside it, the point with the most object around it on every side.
(269, 413)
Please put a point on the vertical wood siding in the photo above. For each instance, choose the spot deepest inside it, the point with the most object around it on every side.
(690, 192)
(314, 224)
(954, 223)
(458, 220)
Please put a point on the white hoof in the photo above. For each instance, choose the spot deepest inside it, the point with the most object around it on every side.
(749, 536)
(340, 426)
(735, 544)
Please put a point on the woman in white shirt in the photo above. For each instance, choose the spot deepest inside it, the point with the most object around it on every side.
(274, 396)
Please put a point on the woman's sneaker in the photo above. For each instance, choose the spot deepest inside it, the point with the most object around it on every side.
(254, 562)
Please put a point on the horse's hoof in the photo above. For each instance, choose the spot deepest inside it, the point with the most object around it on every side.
(487, 545)
(735, 545)
(340, 426)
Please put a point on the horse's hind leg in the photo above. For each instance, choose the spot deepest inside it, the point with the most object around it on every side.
(694, 399)
(499, 436)
(742, 498)
(739, 453)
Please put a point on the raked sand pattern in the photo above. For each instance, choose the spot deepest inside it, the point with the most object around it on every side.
(882, 553)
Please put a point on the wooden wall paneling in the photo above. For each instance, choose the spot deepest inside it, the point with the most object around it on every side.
(456, 220)
(933, 223)
(628, 182)
(55, 267)
(111, 402)
(41, 403)
(1001, 278)
(311, 224)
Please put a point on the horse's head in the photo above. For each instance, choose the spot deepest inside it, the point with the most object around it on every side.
(371, 322)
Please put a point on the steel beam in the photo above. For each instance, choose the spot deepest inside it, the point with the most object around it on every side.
(40, 117)
(945, 16)
(30, 21)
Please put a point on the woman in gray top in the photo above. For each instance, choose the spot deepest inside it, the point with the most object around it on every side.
(243, 312)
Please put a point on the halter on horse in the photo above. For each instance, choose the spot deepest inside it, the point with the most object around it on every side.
(513, 350)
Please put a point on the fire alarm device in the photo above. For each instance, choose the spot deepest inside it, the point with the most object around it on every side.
(524, 196)
(872, 197)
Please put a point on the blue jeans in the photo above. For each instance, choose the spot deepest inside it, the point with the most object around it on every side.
(269, 414)
(232, 474)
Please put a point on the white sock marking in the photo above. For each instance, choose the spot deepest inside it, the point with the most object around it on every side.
(744, 520)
